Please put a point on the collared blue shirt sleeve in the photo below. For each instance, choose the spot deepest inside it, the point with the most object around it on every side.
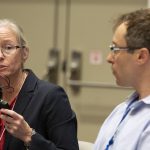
(133, 133)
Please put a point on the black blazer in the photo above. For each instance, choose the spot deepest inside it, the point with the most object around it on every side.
(47, 110)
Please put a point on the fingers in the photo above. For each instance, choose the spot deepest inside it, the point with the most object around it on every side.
(6, 118)
(7, 112)
(7, 127)
(9, 118)
(15, 124)
(10, 128)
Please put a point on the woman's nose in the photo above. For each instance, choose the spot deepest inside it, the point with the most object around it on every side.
(1, 53)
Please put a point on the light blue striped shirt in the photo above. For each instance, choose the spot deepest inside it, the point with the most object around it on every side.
(134, 131)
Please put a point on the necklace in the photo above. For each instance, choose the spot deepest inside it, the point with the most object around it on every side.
(12, 92)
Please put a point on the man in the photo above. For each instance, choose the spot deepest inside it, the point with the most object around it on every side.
(128, 126)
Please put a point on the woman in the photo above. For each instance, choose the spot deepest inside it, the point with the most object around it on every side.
(40, 116)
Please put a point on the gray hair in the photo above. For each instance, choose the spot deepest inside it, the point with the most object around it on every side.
(15, 28)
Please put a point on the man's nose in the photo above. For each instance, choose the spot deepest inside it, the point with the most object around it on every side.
(110, 57)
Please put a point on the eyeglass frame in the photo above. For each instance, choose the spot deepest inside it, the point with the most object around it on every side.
(4, 50)
(113, 48)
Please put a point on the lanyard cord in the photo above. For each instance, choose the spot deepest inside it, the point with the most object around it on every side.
(2, 134)
(111, 141)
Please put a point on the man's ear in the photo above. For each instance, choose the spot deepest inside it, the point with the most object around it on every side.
(143, 55)
(25, 53)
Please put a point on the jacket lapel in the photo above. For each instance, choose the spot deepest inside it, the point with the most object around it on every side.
(25, 95)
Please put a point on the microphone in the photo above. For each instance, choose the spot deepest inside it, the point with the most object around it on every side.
(3, 104)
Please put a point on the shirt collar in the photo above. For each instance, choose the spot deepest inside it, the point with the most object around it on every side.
(138, 103)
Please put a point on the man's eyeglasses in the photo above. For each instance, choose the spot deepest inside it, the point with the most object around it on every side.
(9, 49)
(113, 48)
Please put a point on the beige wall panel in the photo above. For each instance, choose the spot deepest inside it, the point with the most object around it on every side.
(89, 30)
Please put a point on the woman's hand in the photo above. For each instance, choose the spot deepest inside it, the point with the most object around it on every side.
(16, 125)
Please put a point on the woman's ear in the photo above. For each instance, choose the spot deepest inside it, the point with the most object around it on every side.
(25, 53)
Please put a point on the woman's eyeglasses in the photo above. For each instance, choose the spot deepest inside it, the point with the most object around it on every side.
(9, 49)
